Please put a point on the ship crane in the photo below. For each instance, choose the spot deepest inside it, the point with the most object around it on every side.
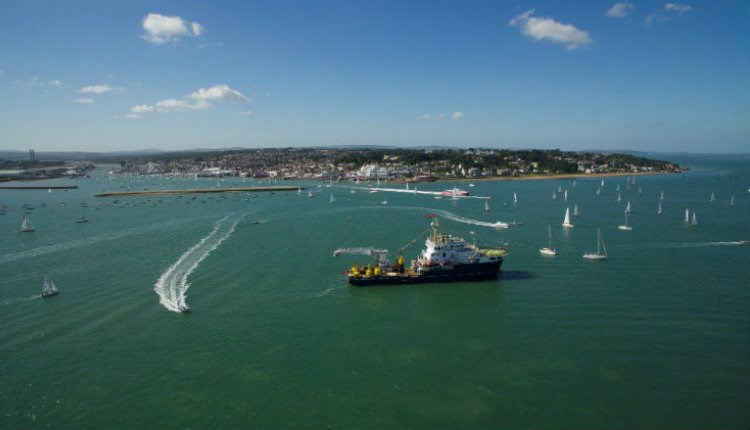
(380, 254)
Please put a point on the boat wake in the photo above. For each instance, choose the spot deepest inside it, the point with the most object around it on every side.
(7, 302)
(457, 218)
(695, 244)
(78, 243)
(172, 285)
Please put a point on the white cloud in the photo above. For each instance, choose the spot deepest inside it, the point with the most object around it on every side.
(132, 116)
(246, 113)
(84, 101)
(161, 29)
(439, 117)
(180, 105)
(218, 93)
(100, 89)
(549, 29)
(142, 109)
(457, 115)
(425, 117)
(620, 10)
(678, 8)
(669, 12)
(35, 81)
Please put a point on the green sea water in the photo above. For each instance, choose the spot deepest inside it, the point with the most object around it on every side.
(655, 337)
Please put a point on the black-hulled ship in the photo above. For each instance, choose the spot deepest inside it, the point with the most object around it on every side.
(446, 258)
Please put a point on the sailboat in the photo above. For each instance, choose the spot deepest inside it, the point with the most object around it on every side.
(731, 200)
(385, 200)
(619, 197)
(601, 250)
(26, 226)
(486, 206)
(566, 222)
(687, 216)
(309, 194)
(661, 196)
(694, 221)
(575, 211)
(331, 200)
(565, 196)
(82, 219)
(49, 288)
(625, 226)
(599, 191)
(549, 251)
(713, 197)
(658, 211)
(628, 209)
(554, 195)
(515, 198)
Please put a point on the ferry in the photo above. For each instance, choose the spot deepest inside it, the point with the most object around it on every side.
(455, 192)
(446, 258)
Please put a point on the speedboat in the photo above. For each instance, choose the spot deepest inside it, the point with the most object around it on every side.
(184, 308)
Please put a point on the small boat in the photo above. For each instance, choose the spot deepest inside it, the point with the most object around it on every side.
(455, 192)
(549, 251)
(26, 226)
(385, 200)
(500, 224)
(694, 221)
(687, 216)
(184, 308)
(49, 288)
(515, 198)
(599, 191)
(713, 198)
(566, 222)
(658, 211)
(331, 200)
(486, 206)
(731, 200)
(628, 209)
(601, 250)
(576, 214)
(619, 197)
(565, 196)
(625, 226)
(554, 195)
(309, 194)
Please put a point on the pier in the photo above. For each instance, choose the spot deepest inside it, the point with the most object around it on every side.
(197, 191)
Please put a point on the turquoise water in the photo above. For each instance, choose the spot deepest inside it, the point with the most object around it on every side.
(655, 337)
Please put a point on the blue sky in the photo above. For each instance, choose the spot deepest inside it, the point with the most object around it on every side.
(111, 75)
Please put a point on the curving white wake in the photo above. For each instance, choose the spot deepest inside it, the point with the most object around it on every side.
(172, 284)
(454, 217)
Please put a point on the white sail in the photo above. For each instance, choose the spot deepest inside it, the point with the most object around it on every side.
(687, 216)
(566, 196)
(576, 214)
(26, 225)
(566, 221)
(601, 250)
(625, 226)
(661, 196)
(515, 198)
(549, 250)
(731, 201)
(48, 288)
(628, 209)
(554, 195)
(331, 200)
(713, 197)
(619, 197)
(599, 191)
(694, 221)
(486, 206)
(658, 211)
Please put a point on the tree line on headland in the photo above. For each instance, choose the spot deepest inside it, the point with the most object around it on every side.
(370, 163)
(415, 164)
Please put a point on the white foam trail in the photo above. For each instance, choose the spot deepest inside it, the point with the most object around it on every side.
(172, 284)
(7, 302)
(693, 244)
(454, 217)
(78, 243)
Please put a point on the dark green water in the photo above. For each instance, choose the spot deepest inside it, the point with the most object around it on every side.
(655, 337)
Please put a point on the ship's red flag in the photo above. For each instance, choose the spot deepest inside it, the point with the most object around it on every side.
(431, 216)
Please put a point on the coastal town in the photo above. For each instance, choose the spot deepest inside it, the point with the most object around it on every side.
(334, 164)
(392, 164)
